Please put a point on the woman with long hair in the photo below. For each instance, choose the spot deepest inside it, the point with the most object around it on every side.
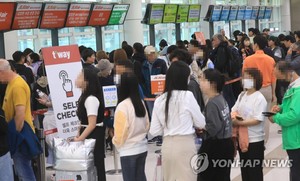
(131, 127)
(176, 114)
(90, 112)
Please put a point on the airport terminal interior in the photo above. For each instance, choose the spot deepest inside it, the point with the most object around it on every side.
(106, 25)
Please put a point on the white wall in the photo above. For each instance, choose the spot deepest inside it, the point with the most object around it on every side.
(10, 43)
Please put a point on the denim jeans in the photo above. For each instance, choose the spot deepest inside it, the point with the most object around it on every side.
(23, 167)
(6, 171)
(133, 167)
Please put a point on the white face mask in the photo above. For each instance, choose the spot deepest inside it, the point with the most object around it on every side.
(248, 83)
(117, 79)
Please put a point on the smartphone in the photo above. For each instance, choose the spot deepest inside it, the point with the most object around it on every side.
(239, 118)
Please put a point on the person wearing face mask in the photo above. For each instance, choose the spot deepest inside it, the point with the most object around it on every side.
(245, 48)
(248, 124)
(288, 114)
(265, 64)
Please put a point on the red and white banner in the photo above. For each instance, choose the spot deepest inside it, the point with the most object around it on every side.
(63, 65)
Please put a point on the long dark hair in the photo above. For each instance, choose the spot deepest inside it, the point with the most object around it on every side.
(92, 89)
(129, 88)
(176, 79)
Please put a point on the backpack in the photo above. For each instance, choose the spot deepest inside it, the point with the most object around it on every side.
(234, 64)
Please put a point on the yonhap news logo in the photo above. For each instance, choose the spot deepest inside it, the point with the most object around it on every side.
(200, 163)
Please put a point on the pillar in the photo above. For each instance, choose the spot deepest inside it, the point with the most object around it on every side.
(133, 28)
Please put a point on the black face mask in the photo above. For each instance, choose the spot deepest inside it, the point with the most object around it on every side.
(294, 53)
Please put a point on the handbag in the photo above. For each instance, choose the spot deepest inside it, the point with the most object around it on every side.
(74, 156)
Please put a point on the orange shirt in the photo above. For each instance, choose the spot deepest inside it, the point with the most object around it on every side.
(264, 63)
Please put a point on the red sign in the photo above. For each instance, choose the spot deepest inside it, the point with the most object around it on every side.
(54, 16)
(158, 84)
(78, 15)
(200, 38)
(27, 16)
(100, 15)
(6, 14)
(61, 54)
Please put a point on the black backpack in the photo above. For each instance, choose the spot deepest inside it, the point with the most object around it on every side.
(234, 64)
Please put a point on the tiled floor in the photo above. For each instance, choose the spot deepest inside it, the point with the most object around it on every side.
(273, 150)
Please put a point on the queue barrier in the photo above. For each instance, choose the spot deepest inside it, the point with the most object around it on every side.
(226, 83)
(41, 167)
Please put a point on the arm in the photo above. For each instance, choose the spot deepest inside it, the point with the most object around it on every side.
(19, 117)
(213, 125)
(257, 117)
(19, 100)
(197, 116)
(91, 105)
(156, 128)
(291, 116)
(248, 122)
(121, 129)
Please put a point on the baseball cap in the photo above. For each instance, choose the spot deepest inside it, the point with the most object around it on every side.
(149, 49)
(104, 65)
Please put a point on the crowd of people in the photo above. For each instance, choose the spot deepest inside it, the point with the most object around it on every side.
(217, 92)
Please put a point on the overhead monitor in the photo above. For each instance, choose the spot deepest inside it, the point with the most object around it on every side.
(6, 15)
(194, 13)
(156, 13)
(209, 13)
(248, 12)
(261, 13)
(118, 14)
(225, 13)
(241, 13)
(100, 14)
(170, 12)
(27, 16)
(54, 15)
(78, 15)
(216, 13)
(255, 12)
(182, 13)
(233, 13)
(268, 13)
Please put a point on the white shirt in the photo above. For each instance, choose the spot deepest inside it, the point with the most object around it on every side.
(251, 107)
(184, 113)
(91, 105)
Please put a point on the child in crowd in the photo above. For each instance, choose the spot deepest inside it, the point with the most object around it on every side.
(217, 143)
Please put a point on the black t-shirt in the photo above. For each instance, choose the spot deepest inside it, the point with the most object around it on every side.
(3, 134)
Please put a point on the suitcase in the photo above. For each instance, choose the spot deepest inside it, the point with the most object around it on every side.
(89, 175)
